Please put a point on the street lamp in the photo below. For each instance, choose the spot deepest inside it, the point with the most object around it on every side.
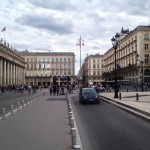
(115, 41)
(80, 43)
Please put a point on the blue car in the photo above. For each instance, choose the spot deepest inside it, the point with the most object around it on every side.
(88, 95)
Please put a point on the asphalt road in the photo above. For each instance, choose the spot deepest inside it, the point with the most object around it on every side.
(106, 127)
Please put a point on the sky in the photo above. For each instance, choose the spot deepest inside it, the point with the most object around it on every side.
(56, 25)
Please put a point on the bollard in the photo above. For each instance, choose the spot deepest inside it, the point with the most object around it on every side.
(22, 103)
(137, 96)
(12, 109)
(120, 96)
(73, 136)
(27, 101)
(71, 124)
(70, 115)
(77, 147)
(68, 106)
(4, 114)
(70, 120)
(18, 104)
(69, 109)
(127, 90)
(31, 99)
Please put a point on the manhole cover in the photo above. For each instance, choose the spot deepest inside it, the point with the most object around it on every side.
(56, 99)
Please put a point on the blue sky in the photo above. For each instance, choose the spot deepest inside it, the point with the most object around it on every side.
(56, 25)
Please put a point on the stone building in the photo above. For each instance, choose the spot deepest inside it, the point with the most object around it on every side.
(133, 52)
(92, 69)
(12, 66)
(44, 68)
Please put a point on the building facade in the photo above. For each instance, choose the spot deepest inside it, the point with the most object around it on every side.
(44, 68)
(133, 52)
(92, 69)
(12, 66)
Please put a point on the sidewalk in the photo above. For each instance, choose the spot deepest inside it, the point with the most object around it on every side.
(42, 125)
(130, 102)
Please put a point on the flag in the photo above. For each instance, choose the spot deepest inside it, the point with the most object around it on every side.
(4, 29)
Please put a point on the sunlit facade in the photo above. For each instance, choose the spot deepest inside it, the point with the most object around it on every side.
(12, 66)
(42, 67)
(133, 54)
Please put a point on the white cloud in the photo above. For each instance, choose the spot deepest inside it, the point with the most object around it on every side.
(57, 24)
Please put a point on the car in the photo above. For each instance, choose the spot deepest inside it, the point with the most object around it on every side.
(100, 89)
(88, 95)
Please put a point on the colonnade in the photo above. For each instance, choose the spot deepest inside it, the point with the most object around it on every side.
(11, 73)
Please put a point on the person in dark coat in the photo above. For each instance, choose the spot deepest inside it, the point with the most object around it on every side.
(50, 89)
(54, 89)
(57, 89)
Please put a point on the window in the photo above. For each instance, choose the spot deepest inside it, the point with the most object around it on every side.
(97, 65)
(93, 66)
(146, 59)
(39, 66)
(146, 37)
(94, 73)
(146, 46)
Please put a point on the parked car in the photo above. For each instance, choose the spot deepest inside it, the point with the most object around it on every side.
(88, 95)
(100, 89)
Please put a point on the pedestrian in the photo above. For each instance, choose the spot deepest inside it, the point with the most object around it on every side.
(54, 89)
(50, 89)
(57, 90)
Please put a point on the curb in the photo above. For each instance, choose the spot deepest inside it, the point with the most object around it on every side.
(137, 112)
(78, 139)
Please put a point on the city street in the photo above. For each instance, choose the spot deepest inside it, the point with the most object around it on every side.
(104, 127)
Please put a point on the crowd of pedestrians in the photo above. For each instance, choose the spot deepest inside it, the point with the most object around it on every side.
(17, 89)
(60, 89)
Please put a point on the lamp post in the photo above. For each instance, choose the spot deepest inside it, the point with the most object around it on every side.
(115, 41)
(80, 43)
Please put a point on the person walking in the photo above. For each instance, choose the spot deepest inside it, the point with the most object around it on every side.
(54, 89)
(50, 89)
(57, 90)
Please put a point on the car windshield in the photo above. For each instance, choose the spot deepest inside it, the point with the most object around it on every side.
(88, 91)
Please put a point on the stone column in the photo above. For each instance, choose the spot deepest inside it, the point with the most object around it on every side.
(4, 75)
(8, 73)
(1, 70)
(14, 75)
(11, 73)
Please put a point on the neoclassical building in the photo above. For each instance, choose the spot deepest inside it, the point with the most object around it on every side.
(133, 57)
(43, 67)
(92, 69)
(12, 66)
